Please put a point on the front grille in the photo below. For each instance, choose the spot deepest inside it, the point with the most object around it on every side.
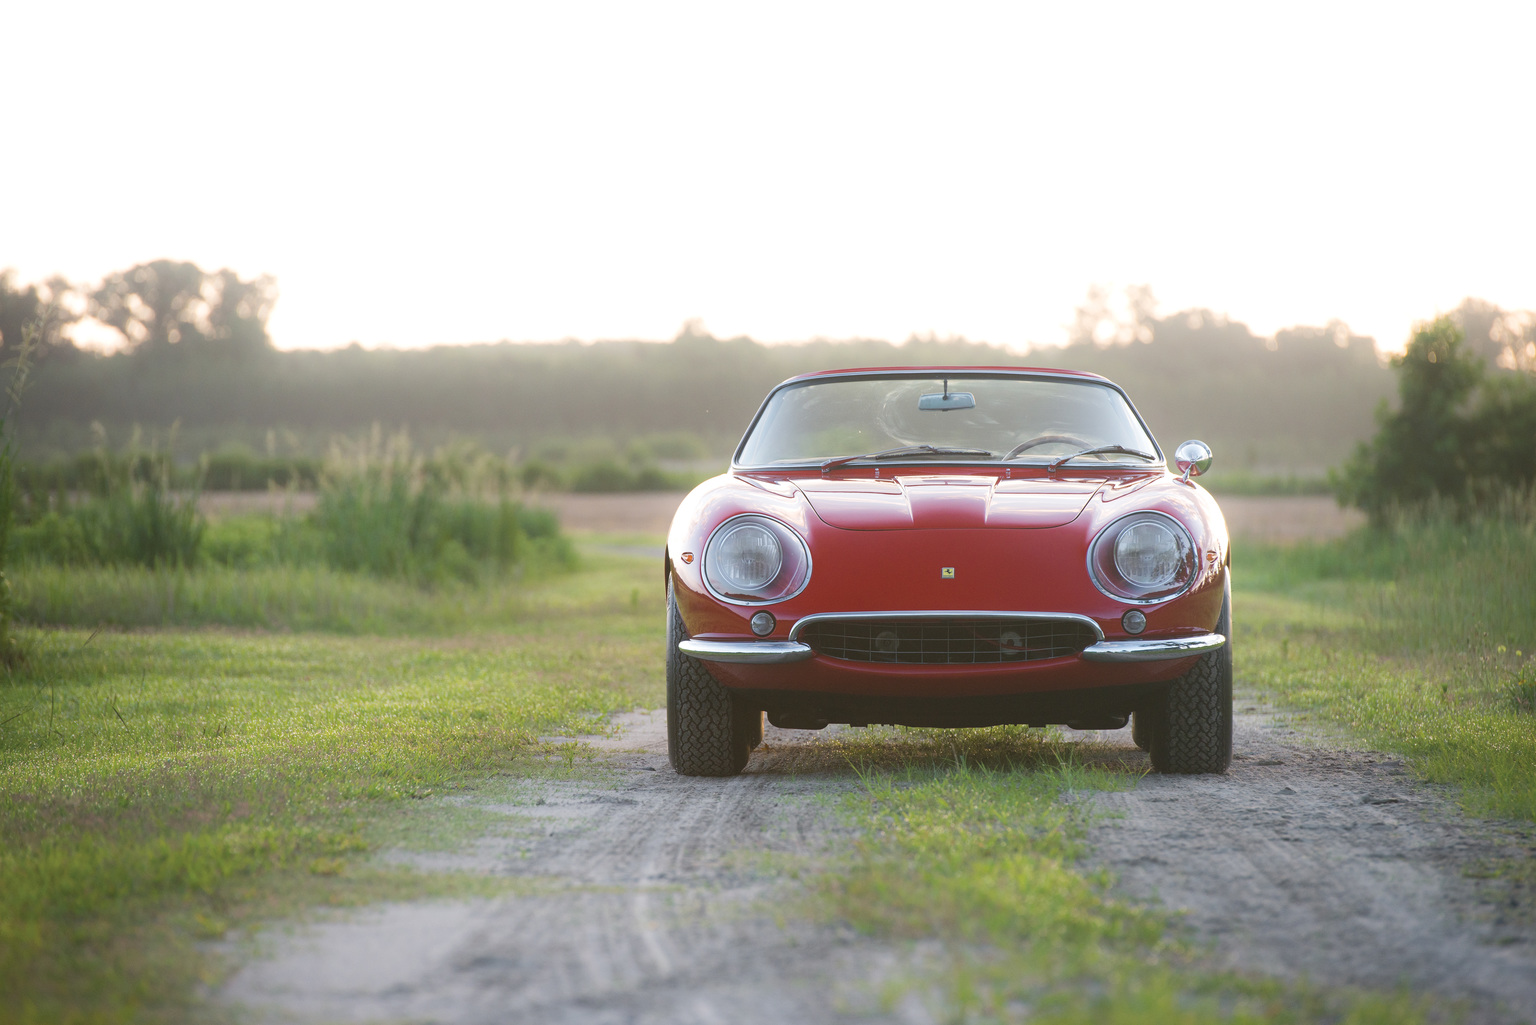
(948, 641)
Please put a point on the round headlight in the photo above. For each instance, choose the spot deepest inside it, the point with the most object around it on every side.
(755, 560)
(1143, 558)
(1147, 554)
(747, 556)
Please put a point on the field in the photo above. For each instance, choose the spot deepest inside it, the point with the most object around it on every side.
(242, 747)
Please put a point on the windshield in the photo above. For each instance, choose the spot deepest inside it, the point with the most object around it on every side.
(965, 418)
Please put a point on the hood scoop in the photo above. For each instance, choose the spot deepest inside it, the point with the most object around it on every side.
(947, 501)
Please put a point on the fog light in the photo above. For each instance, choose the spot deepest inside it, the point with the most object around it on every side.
(763, 623)
(1133, 621)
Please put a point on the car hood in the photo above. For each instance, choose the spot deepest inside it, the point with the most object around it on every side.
(930, 501)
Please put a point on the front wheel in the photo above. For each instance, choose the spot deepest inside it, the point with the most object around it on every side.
(1191, 730)
(707, 733)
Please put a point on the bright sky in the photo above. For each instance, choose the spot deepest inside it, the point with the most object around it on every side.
(420, 173)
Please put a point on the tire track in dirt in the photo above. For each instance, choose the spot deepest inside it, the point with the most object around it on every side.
(657, 910)
(655, 904)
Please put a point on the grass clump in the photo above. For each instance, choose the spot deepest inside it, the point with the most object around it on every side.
(128, 513)
(379, 523)
(386, 511)
(1419, 636)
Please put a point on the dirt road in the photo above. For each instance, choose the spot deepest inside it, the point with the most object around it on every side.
(650, 899)
(1310, 860)
(652, 909)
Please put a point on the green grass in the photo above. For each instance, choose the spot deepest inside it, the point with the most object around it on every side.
(285, 597)
(1420, 639)
(160, 787)
(974, 839)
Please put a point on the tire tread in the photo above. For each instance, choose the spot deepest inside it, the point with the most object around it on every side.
(1192, 732)
(707, 735)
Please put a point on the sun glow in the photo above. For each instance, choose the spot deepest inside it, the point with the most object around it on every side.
(544, 171)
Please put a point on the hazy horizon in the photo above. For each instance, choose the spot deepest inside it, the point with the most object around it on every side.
(848, 171)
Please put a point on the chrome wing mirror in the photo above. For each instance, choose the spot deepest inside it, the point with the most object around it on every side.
(1193, 458)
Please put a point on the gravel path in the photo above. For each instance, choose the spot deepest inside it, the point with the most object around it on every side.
(656, 904)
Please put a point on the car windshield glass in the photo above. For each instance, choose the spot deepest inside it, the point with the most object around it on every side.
(1015, 418)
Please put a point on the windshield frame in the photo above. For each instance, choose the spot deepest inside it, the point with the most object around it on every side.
(924, 373)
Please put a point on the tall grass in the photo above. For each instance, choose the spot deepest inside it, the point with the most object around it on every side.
(1433, 582)
(1420, 635)
(130, 514)
(659, 463)
(20, 366)
(383, 511)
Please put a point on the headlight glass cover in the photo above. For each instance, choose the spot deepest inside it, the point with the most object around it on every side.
(1143, 558)
(755, 560)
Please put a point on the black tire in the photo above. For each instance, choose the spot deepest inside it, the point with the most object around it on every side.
(707, 735)
(1192, 730)
(1139, 730)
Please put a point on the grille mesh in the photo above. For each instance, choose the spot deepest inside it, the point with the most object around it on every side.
(948, 641)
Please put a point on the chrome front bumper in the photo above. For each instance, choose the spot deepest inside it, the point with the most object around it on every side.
(757, 653)
(1153, 649)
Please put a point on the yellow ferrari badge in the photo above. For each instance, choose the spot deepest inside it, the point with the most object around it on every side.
(947, 573)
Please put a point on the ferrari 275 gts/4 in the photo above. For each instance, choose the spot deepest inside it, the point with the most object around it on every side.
(946, 547)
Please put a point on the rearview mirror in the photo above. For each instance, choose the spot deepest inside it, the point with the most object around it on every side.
(946, 401)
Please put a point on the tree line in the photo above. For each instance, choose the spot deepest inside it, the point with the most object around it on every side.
(196, 353)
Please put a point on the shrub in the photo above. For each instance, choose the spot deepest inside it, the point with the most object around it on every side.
(1457, 434)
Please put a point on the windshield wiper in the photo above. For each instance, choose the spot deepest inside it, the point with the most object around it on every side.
(909, 450)
(1103, 449)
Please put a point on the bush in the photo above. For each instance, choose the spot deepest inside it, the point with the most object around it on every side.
(1457, 435)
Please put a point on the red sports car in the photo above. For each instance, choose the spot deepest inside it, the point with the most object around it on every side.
(950, 546)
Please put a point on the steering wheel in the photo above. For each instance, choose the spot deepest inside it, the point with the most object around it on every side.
(1046, 439)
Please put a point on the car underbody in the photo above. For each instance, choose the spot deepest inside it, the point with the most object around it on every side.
(1101, 708)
